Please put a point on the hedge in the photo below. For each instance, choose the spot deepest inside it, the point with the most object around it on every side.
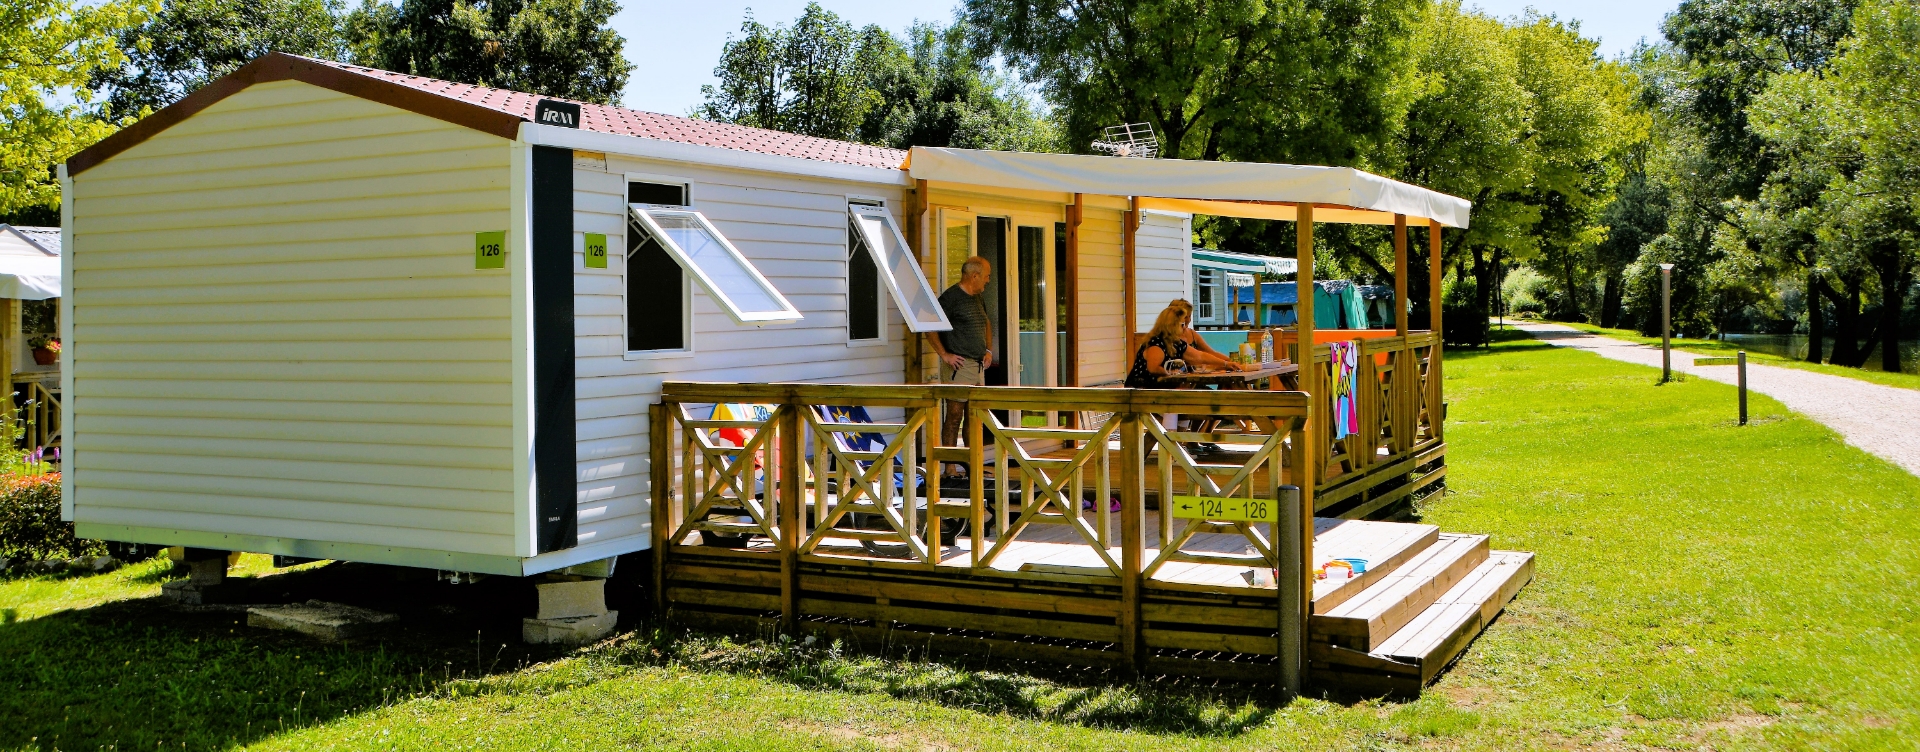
(30, 524)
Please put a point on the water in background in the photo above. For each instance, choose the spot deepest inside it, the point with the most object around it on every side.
(1795, 346)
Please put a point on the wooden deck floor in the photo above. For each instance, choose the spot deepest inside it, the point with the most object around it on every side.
(1059, 550)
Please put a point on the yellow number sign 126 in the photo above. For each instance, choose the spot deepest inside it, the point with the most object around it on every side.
(1226, 509)
(490, 250)
(596, 256)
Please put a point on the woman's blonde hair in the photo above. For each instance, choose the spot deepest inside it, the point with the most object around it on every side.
(1171, 323)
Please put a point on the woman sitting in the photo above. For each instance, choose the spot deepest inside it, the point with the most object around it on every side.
(1168, 342)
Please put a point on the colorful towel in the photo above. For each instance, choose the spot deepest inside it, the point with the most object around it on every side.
(1345, 358)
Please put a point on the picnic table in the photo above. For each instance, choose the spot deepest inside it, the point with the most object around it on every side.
(1287, 372)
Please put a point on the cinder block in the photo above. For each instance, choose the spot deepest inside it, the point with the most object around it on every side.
(206, 572)
(330, 622)
(578, 630)
(566, 600)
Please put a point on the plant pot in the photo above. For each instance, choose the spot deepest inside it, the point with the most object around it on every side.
(45, 357)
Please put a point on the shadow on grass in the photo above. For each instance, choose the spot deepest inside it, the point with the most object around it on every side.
(1083, 696)
(142, 673)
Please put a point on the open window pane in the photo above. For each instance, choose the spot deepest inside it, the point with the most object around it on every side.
(720, 268)
(898, 270)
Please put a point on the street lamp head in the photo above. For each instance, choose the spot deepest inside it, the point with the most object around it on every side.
(1666, 267)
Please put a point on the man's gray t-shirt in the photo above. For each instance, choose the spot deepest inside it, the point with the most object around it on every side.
(968, 313)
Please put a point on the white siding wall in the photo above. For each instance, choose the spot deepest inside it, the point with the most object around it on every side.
(1102, 298)
(278, 330)
(1164, 266)
(794, 230)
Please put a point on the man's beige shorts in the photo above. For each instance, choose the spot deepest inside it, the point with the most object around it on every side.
(968, 374)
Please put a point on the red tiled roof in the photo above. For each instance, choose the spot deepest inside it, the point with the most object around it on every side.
(496, 111)
(621, 121)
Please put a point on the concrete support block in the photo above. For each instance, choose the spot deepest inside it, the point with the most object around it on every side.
(330, 622)
(206, 577)
(578, 630)
(566, 600)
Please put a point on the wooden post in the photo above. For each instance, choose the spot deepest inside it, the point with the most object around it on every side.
(1405, 377)
(1309, 374)
(1290, 552)
(1128, 258)
(791, 448)
(1436, 268)
(9, 344)
(1075, 213)
(1743, 387)
(1400, 274)
(918, 238)
(976, 482)
(660, 494)
(1133, 510)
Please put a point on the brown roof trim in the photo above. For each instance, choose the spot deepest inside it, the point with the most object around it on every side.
(282, 67)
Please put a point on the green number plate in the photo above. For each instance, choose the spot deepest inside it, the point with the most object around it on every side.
(490, 250)
(1217, 508)
(596, 251)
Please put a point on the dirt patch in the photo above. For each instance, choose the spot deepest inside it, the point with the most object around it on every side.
(859, 735)
(1732, 726)
(1470, 698)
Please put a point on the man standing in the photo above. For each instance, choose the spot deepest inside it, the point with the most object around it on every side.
(966, 350)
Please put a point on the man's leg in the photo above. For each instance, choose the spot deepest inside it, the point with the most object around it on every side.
(950, 428)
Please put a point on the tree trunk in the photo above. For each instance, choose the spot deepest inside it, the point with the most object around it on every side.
(1610, 301)
(1893, 297)
(1483, 281)
(1846, 319)
(1816, 319)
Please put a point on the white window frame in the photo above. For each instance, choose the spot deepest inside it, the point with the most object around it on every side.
(686, 309)
(881, 300)
(644, 214)
(892, 283)
(686, 281)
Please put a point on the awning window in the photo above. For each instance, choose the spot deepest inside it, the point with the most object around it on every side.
(719, 267)
(898, 269)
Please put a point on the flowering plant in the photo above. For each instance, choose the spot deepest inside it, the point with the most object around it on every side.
(44, 342)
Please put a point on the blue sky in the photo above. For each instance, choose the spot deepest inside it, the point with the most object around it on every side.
(675, 43)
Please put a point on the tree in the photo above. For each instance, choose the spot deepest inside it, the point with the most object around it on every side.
(191, 42)
(1878, 77)
(1309, 81)
(559, 48)
(48, 50)
(822, 77)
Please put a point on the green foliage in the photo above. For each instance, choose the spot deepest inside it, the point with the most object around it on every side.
(1249, 80)
(30, 525)
(191, 42)
(559, 48)
(823, 77)
(48, 51)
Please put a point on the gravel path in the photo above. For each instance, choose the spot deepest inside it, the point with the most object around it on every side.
(1879, 419)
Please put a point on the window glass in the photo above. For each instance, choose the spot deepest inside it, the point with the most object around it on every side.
(665, 194)
(896, 268)
(656, 289)
(863, 288)
(721, 269)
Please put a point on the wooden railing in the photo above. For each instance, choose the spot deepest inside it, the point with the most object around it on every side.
(808, 487)
(1399, 431)
(38, 417)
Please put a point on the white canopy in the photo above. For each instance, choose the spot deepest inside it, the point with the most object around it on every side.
(23, 278)
(1197, 187)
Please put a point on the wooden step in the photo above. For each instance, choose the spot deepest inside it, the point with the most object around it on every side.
(1385, 545)
(1369, 618)
(1441, 632)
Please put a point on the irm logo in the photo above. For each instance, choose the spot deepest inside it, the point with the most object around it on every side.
(562, 114)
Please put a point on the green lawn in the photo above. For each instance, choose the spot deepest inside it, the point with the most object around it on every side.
(1699, 584)
(1718, 347)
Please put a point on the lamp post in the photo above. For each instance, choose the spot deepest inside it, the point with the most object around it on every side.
(1666, 323)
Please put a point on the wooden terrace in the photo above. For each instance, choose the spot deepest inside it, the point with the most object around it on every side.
(796, 527)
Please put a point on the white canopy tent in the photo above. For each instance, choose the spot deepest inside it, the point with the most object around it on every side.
(24, 278)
